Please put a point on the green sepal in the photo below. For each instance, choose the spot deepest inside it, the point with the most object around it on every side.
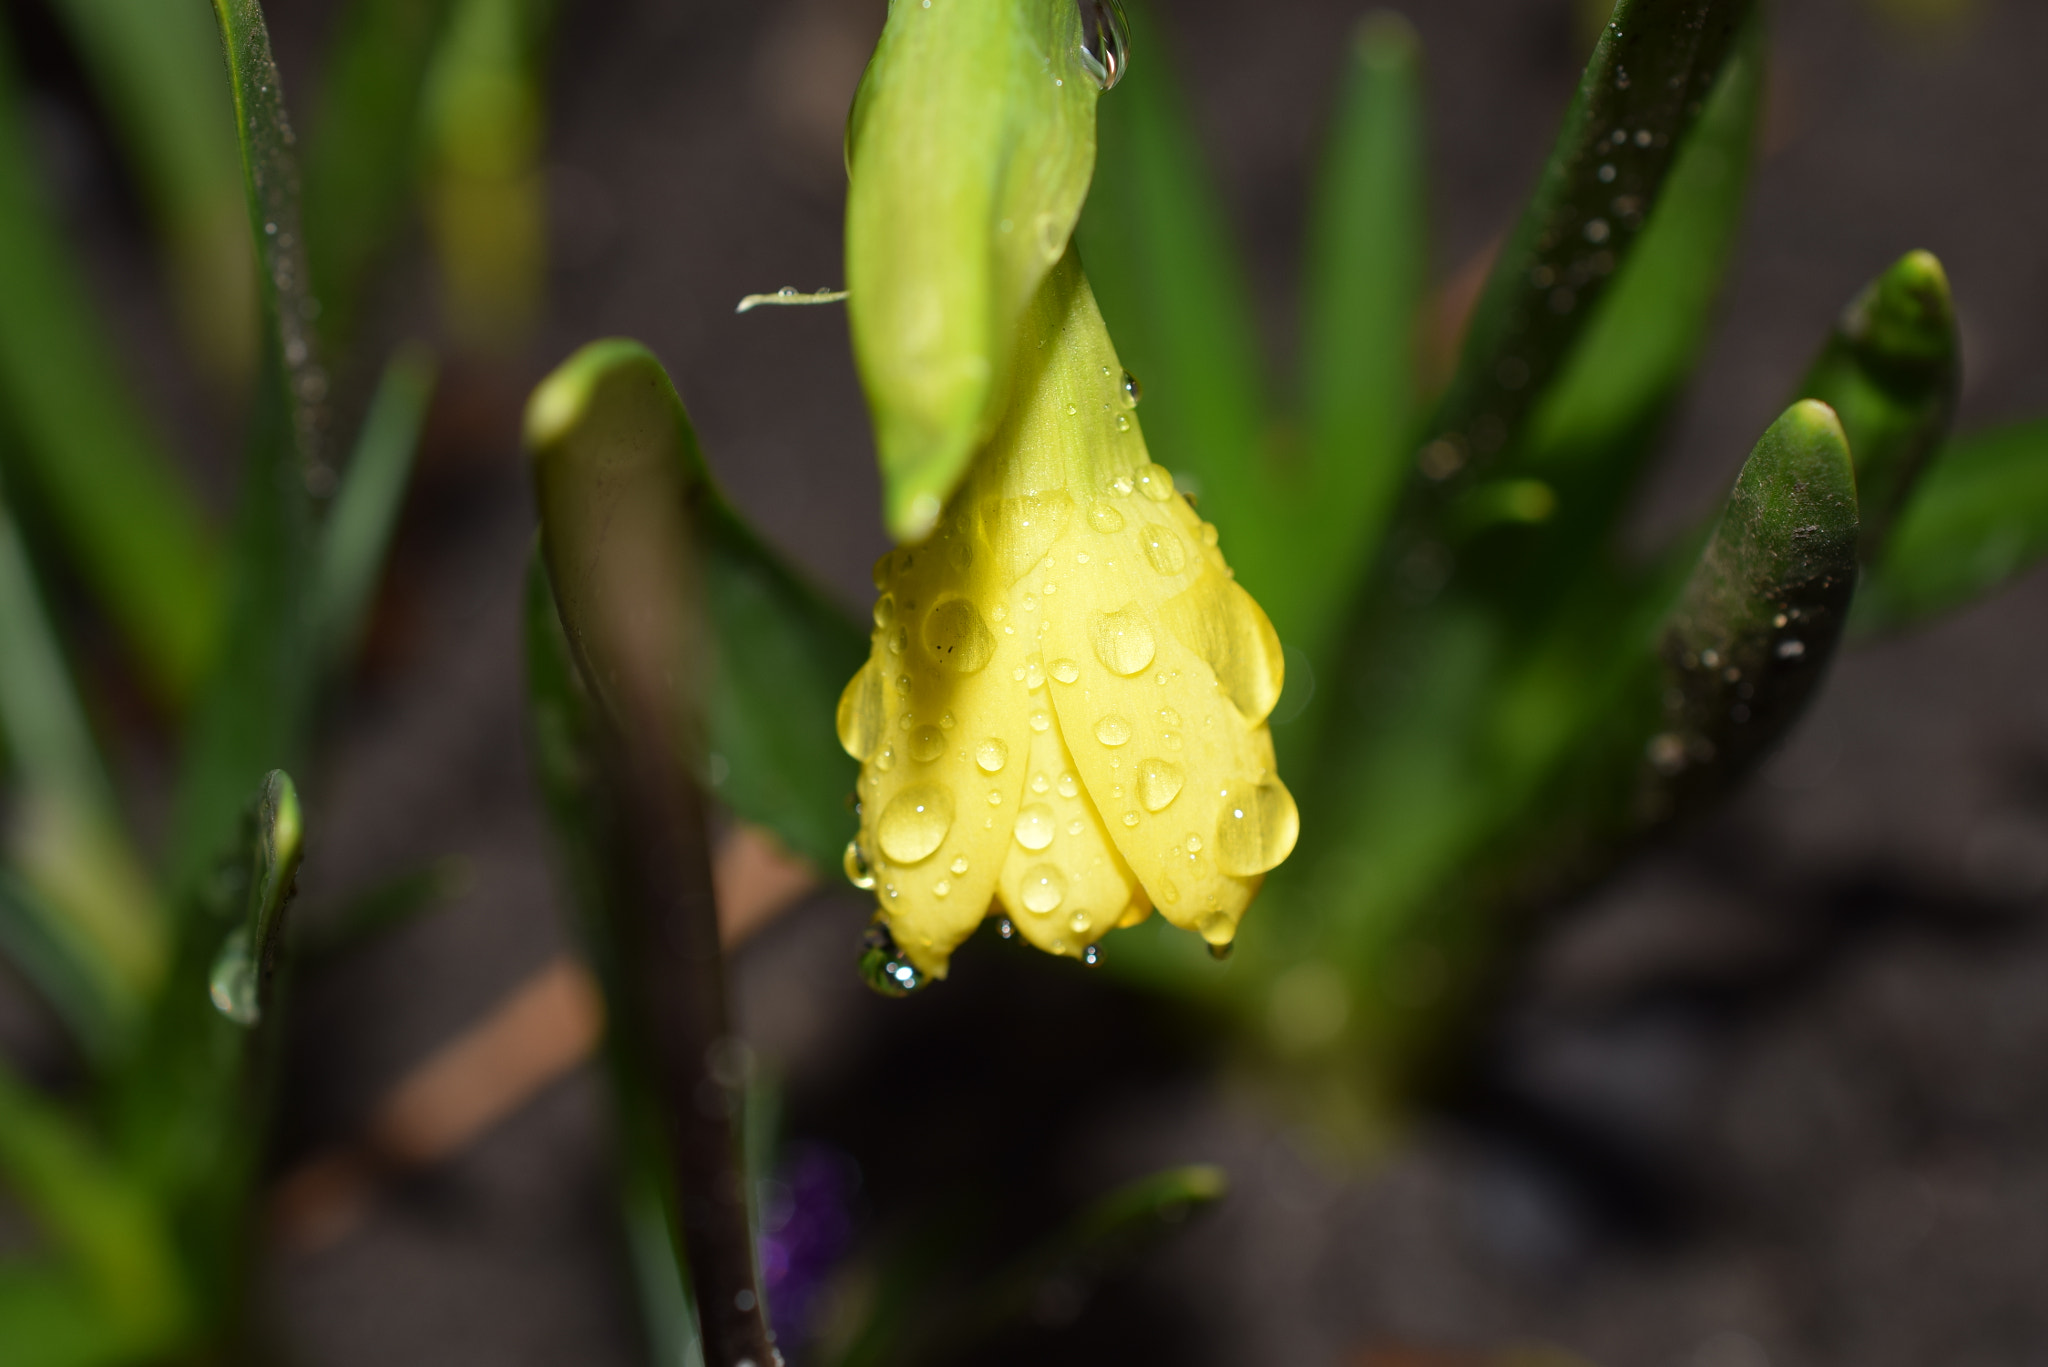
(1977, 518)
(1889, 371)
(1645, 86)
(779, 652)
(970, 150)
(1759, 617)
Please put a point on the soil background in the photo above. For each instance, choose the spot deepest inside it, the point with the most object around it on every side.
(1772, 1097)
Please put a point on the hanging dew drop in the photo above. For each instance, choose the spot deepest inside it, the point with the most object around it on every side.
(1091, 956)
(883, 966)
(1005, 929)
(1104, 46)
(1257, 828)
(856, 865)
(1133, 391)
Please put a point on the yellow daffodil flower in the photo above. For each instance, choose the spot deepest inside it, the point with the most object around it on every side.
(1064, 714)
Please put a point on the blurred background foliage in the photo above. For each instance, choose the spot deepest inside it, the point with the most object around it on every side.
(1493, 694)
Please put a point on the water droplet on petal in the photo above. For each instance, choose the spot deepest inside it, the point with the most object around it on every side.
(941, 888)
(1155, 483)
(1133, 391)
(957, 637)
(1121, 484)
(1067, 785)
(915, 822)
(926, 744)
(959, 865)
(1039, 783)
(1104, 517)
(856, 865)
(1123, 422)
(1066, 671)
(1039, 721)
(886, 761)
(1081, 923)
(1159, 783)
(991, 755)
(1112, 730)
(1103, 44)
(1258, 826)
(885, 611)
(1164, 549)
(1130, 818)
(860, 713)
(1216, 619)
(1218, 929)
(1034, 829)
(1122, 640)
(1045, 887)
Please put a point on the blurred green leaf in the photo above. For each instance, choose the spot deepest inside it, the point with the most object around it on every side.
(382, 909)
(1977, 518)
(50, 1317)
(484, 133)
(70, 974)
(1168, 279)
(1367, 260)
(359, 526)
(155, 66)
(1647, 83)
(96, 1219)
(782, 652)
(91, 895)
(1889, 370)
(967, 170)
(84, 454)
(254, 713)
(1761, 614)
(363, 147)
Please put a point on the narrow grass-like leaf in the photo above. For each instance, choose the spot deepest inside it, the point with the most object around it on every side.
(363, 145)
(366, 508)
(51, 1317)
(1646, 84)
(1759, 619)
(1890, 370)
(156, 69)
(1594, 423)
(969, 153)
(781, 652)
(66, 835)
(1158, 250)
(1976, 519)
(1367, 259)
(256, 707)
(81, 451)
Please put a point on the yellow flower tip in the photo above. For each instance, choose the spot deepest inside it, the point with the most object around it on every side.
(1063, 717)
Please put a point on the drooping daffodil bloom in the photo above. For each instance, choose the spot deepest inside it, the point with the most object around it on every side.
(1064, 713)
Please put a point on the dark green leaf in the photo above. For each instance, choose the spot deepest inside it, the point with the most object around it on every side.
(1645, 86)
(1760, 616)
(365, 513)
(255, 711)
(782, 652)
(1889, 370)
(1976, 519)
(80, 448)
(243, 970)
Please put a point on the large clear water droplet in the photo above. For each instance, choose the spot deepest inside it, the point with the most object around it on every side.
(860, 713)
(915, 823)
(1220, 622)
(991, 755)
(927, 744)
(883, 966)
(1045, 887)
(1159, 783)
(1122, 640)
(1035, 826)
(1155, 482)
(1104, 46)
(957, 637)
(1258, 826)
